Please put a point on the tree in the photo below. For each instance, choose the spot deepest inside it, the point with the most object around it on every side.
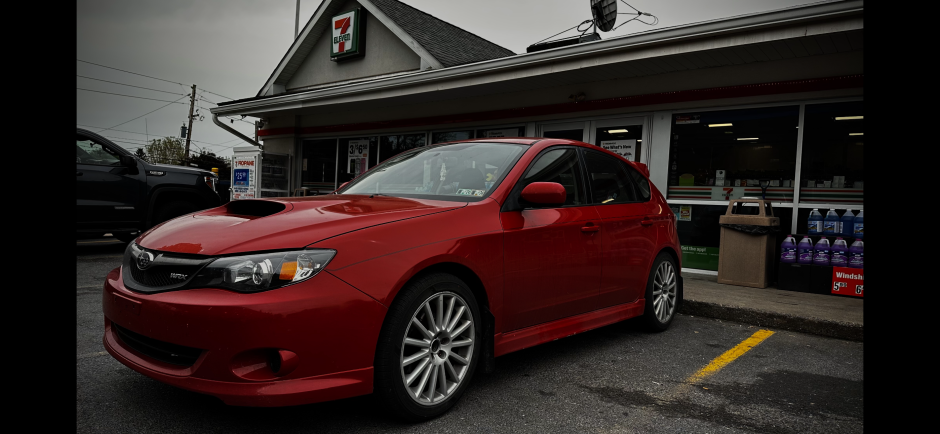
(207, 160)
(141, 154)
(168, 150)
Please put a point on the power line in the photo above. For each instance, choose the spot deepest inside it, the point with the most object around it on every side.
(131, 96)
(130, 72)
(145, 114)
(129, 85)
(144, 75)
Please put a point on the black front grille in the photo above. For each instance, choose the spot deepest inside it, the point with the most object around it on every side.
(162, 351)
(161, 276)
(164, 271)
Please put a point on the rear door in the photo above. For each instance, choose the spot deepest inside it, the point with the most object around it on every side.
(552, 254)
(628, 238)
(106, 192)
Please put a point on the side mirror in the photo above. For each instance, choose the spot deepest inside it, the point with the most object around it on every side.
(544, 193)
(129, 161)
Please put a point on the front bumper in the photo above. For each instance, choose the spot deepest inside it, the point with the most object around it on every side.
(330, 326)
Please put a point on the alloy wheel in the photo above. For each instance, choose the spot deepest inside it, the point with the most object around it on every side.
(664, 291)
(437, 348)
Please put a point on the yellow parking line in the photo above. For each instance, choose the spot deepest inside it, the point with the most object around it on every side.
(730, 355)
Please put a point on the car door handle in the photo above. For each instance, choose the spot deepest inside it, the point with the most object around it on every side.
(647, 221)
(78, 173)
(590, 227)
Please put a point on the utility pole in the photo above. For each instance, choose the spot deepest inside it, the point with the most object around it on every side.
(189, 132)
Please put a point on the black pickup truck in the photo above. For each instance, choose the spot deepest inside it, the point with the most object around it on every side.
(117, 192)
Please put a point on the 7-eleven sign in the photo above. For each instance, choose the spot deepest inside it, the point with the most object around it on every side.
(345, 32)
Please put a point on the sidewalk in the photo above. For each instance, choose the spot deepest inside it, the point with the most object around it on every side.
(826, 315)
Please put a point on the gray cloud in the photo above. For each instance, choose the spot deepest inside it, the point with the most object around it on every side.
(230, 47)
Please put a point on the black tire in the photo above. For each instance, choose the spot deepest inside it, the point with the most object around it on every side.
(389, 386)
(652, 321)
(173, 210)
(125, 237)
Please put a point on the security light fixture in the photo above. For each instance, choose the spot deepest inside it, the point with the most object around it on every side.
(718, 125)
(848, 118)
(617, 131)
(856, 134)
(747, 138)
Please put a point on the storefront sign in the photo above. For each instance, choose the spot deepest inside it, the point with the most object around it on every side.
(848, 281)
(345, 33)
(693, 119)
(358, 157)
(244, 177)
(704, 258)
(624, 148)
(685, 213)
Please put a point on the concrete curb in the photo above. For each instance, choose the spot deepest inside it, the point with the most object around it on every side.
(815, 326)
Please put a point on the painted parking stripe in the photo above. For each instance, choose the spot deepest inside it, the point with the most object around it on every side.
(729, 356)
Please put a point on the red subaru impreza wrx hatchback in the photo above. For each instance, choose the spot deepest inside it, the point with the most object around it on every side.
(404, 282)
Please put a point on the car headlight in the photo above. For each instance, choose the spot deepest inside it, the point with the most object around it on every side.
(263, 271)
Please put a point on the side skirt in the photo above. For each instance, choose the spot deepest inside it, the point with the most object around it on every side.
(516, 340)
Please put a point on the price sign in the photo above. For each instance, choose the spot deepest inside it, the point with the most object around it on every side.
(848, 281)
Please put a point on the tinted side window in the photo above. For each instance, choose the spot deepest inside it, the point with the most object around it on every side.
(89, 152)
(610, 182)
(561, 166)
(641, 183)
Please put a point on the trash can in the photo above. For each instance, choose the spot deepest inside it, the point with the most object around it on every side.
(747, 246)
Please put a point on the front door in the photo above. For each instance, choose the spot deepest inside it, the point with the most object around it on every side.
(628, 236)
(552, 255)
(106, 192)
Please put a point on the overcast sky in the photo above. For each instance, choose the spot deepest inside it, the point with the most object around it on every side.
(230, 47)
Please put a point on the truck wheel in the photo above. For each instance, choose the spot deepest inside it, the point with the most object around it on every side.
(173, 210)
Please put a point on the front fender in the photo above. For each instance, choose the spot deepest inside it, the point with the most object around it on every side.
(379, 261)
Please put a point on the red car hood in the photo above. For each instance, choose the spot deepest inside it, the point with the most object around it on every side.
(270, 224)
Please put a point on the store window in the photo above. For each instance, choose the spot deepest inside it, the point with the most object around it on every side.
(501, 132)
(389, 146)
(451, 136)
(833, 151)
(625, 140)
(357, 155)
(318, 166)
(700, 234)
(275, 175)
(729, 154)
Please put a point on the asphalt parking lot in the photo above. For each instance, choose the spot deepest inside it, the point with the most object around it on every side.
(614, 379)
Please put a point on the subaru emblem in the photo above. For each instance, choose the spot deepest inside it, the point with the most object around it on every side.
(144, 260)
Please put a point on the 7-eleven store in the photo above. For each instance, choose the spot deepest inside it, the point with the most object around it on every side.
(715, 109)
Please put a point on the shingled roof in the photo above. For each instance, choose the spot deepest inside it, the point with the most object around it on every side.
(448, 43)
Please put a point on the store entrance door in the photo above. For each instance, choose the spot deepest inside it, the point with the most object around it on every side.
(623, 136)
(568, 130)
(318, 169)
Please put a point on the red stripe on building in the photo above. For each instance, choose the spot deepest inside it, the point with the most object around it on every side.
(747, 90)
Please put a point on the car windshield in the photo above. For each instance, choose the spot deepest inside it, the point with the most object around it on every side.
(460, 171)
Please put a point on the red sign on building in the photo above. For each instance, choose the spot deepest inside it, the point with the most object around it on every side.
(848, 281)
